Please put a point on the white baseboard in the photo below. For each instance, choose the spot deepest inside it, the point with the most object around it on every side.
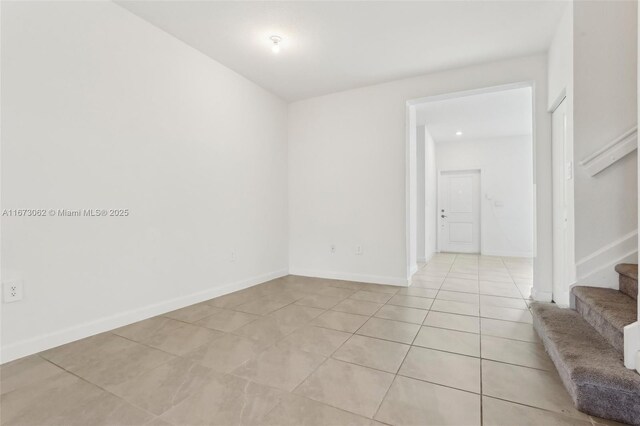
(541, 296)
(428, 257)
(414, 269)
(422, 260)
(564, 300)
(370, 279)
(57, 338)
(507, 253)
(597, 269)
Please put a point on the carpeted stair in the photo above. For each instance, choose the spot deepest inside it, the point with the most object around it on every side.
(586, 346)
(607, 310)
(628, 279)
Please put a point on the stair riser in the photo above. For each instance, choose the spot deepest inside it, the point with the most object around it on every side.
(613, 336)
(600, 403)
(629, 286)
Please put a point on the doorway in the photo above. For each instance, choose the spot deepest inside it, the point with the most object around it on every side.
(459, 211)
(471, 154)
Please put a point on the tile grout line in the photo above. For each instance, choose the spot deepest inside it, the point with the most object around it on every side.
(400, 366)
(104, 389)
(354, 333)
(405, 357)
(479, 350)
(338, 348)
(560, 413)
(481, 375)
(480, 335)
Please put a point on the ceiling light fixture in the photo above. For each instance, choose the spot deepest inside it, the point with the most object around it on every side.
(276, 40)
(458, 133)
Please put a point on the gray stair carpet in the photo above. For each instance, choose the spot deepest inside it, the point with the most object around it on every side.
(591, 370)
(628, 279)
(607, 310)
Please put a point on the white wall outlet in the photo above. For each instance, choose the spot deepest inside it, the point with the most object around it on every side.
(12, 291)
(233, 256)
(359, 250)
(332, 248)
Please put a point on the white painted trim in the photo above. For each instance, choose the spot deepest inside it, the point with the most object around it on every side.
(561, 97)
(472, 92)
(430, 256)
(426, 259)
(607, 276)
(60, 337)
(611, 152)
(413, 270)
(507, 253)
(597, 269)
(632, 346)
(535, 221)
(407, 185)
(541, 296)
(345, 276)
(563, 255)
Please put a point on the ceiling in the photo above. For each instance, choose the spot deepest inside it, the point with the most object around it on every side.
(484, 116)
(330, 46)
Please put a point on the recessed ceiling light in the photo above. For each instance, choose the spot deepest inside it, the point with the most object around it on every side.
(458, 133)
(276, 40)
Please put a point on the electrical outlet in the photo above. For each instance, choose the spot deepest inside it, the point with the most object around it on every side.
(332, 248)
(12, 291)
(233, 256)
(359, 250)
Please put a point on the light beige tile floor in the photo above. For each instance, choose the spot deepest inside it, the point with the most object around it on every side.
(455, 348)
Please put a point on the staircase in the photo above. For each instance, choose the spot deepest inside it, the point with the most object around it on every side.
(586, 346)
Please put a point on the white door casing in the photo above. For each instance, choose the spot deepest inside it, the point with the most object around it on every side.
(561, 172)
(459, 211)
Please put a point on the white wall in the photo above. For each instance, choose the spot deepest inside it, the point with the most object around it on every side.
(421, 181)
(431, 197)
(103, 110)
(347, 175)
(604, 107)
(506, 189)
(561, 60)
(593, 59)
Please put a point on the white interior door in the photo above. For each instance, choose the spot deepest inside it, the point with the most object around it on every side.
(561, 173)
(459, 211)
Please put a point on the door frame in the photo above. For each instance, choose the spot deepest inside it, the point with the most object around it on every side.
(439, 177)
(538, 197)
(561, 291)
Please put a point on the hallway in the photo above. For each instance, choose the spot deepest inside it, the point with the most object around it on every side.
(510, 277)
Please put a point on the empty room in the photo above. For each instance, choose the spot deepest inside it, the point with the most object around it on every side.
(319, 213)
